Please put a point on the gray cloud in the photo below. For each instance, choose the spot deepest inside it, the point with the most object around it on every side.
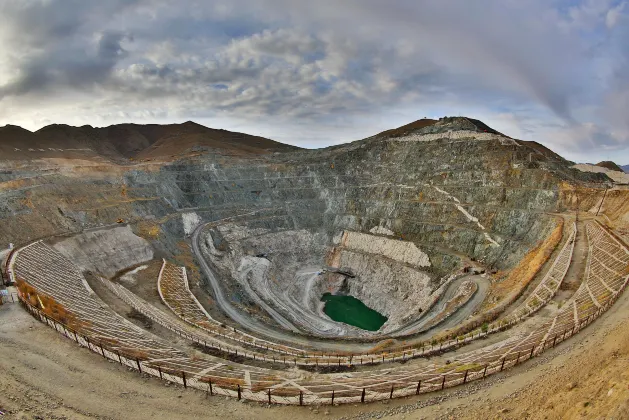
(311, 63)
(57, 44)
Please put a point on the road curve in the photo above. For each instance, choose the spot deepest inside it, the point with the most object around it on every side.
(458, 316)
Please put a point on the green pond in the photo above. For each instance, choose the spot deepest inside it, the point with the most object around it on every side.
(349, 310)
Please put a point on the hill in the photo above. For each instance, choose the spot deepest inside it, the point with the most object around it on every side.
(609, 165)
(129, 141)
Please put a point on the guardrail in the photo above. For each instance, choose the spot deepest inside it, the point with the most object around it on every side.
(333, 396)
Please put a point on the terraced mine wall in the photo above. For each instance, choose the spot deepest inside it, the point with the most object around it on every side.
(488, 200)
(357, 185)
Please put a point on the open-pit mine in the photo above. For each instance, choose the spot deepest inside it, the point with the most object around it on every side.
(422, 258)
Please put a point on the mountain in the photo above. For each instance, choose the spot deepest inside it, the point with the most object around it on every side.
(625, 168)
(609, 165)
(130, 142)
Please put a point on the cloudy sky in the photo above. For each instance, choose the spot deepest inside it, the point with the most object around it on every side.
(315, 73)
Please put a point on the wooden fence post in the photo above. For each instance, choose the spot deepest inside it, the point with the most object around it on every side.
(391, 394)
(465, 377)
(159, 369)
(301, 397)
(362, 400)
(269, 394)
(443, 382)
(239, 391)
(503, 364)
(183, 376)
(419, 386)
(362, 396)
(138, 362)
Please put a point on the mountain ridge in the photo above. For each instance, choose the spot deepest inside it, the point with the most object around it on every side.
(129, 141)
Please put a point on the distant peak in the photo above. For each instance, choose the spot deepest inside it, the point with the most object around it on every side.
(442, 125)
(10, 128)
(610, 165)
(55, 126)
(464, 123)
(408, 128)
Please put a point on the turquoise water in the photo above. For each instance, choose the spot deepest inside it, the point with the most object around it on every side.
(349, 310)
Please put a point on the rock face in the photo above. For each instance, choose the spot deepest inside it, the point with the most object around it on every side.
(401, 210)
(401, 293)
(106, 251)
(402, 251)
(388, 275)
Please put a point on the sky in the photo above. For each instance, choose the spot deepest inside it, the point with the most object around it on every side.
(317, 73)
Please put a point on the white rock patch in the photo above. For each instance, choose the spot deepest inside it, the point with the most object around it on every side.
(129, 278)
(404, 251)
(381, 230)
(190, 222)
(468, 216)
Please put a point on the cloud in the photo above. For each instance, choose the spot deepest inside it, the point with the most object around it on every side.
(613, 15)
(61, 47)
(534, 66)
